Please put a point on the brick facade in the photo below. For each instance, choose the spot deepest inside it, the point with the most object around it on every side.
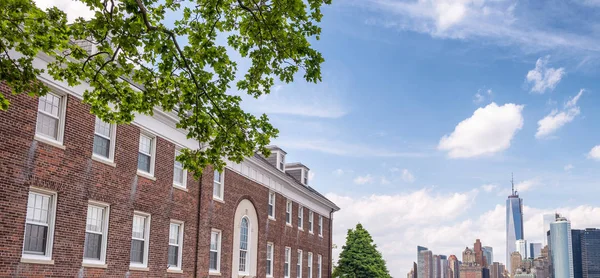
(76, 178)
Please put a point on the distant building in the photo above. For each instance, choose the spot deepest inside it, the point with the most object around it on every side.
(577, 253)
(561, 248)
(488, 253)
(444, 264)
(524, 275)
(521, 247)
(535, 250)
(471, 271)
(479, 258)
(496, 271)
(548, 218)
(454, 266)
(541, 267)
(437, 267)
(415, 269)
(411, 274)
(514, 223)
(468, 256)
(424, 262)
(515, 262)
(590, 253)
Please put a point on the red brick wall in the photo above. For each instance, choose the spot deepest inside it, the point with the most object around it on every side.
(76, 178)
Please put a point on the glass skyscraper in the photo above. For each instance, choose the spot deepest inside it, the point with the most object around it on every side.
(514, 223)
(562, 248)
(590, 253)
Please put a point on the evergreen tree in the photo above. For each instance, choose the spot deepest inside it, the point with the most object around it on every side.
(359, 257)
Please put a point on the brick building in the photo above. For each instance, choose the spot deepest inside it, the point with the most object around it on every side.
(79, 197)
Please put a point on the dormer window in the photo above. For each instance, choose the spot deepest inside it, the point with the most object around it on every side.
(305, 177)
(281, 162)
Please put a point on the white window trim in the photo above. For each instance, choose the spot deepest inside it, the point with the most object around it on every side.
(222, 182)
(287, 256)
(299, 262)
(321, 225)
(319, 265)
(218, 270)
(105, 221)
(309, 264)
(50, 236)
(289, 206)
(271, 193)
(280, 161)
(152, 155)
(311, 222)
(180, 249)
(183, 185)
(111, 150)
(301, 217)
(272, 257)
(59, 142)
(304, 176)
(248, 248)
(146, 240)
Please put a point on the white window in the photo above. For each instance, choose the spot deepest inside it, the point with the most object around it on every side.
(309, 264)
(39, 224)
(299, 265)
(310, 221)
(175, 244)
(179, 173)
(140, 235)
(320, 225)
(300, 217)
(51, 117)
(319, 260)
(215, 252)
(281, 162)
(146, 154)
(269, 259)
(104, 140)
(244, 245)
(286, 265)
(272, 205)
(305, 177)
(218, 185)
(288, 213)
(96, 233)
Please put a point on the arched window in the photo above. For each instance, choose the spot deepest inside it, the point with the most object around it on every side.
(244, 228)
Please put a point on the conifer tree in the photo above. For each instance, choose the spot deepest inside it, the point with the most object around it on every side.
(359, 257)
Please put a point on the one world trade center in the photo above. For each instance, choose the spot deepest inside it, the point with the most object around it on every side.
(514, 223)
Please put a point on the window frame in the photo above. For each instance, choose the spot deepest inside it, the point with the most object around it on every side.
(281, 161)
(309, 263)
(289, 212)
(287, 259)
(183, 184)
(146, 253)
(112, 138)
(270, 259)
(310, 222)
(248, 250)
(152, 154)
(319, 265)
(222, 183)
(219, 237)
(105, 221)
(304, 176)
(320, 225)
(180, 245)
(60, 133)
(300, 217)
(299, 264)
(47, 256)
(271, 213)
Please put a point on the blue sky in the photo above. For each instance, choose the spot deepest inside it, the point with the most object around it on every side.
(427, 107)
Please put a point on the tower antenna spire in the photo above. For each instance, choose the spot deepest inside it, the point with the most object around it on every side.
(512, 182)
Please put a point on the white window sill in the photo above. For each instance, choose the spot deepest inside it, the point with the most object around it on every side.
(301, 229)
(214, 273)
(49, 141)
(321, 236)
(37, 261)
(182, 188)
(146, 175)
(220, 200)
(272, 218)
(94, 265)
(103, 160)
(288, 224)
(174, 270)
(139, 268)
(311, 233)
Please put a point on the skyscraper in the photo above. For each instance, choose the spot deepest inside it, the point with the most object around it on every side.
(548, 218)
(577, 256)
(444, 264)
(535, 250)
(437, 267)
(590, 253)
(453, 264)
(478, 253)
(514, 222)
(521, 246)
(421, 261)
(562, 250)
(488, 252)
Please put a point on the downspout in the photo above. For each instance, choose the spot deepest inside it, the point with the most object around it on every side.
(198, 227)
(330, 242)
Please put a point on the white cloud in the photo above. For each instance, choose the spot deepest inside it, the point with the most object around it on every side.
(311, 175)
(445, 223)
(384, 180)
(543, 77)
(73, 9)
(342, 148)
(488, 187)
(338, 172)
(481, 95)
(489, 130)
(555, 120)
(527, 185)
(569, 167)
(595, 153)
(364, 179)
(407, 176)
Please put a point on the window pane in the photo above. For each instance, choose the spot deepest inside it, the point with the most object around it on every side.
(178, 175)
(50, 104)
(217, 190)
(217, 176)
(173, 255)
(139, 226)
(101, 146)
(47, 125)
(137, 251)
(214, 241)
(242, 261)
(270, 210)
(37, 208)
(145, 144)
(35, 239)
(144, 162)
(92, 246)
(102, 128)
(214, 260)
(174, 234)
(95, 218)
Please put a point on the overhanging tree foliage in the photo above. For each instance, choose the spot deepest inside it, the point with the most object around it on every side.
(359, 257)
(176, 67)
